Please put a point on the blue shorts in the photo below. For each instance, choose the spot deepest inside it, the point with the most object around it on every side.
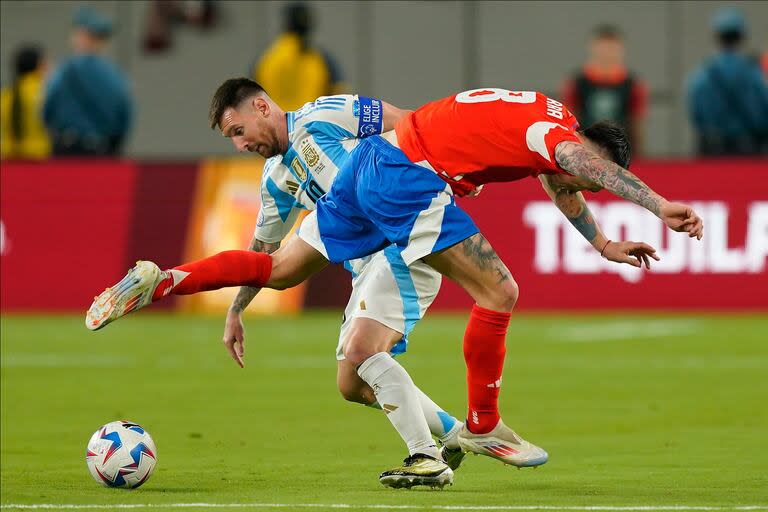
(378, 198)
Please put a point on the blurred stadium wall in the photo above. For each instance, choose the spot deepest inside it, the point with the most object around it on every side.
(404, 52)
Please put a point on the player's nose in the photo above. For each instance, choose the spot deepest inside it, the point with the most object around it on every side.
(240, 144)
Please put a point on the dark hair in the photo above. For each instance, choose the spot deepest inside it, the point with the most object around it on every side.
(730, 38)
(231, 94)
(607, 31)
(26, 60)
(613, 138)
(297, 18)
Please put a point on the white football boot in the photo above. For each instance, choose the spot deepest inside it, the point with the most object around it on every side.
(133, 292)
(504, 444)
(418, 469)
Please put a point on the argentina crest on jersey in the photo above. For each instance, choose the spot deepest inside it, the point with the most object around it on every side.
(321, 135)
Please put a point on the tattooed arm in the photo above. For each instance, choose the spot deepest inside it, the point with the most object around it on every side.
(234, 332)
(577, 212)
(580, 161)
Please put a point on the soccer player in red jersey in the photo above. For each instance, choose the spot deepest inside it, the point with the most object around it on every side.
(384, 195)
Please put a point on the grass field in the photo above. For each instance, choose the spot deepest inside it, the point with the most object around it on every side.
(635, 411)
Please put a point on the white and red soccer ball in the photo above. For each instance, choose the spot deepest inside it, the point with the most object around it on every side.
(121, 454)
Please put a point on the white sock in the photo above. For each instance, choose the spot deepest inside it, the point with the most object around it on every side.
(442, 425)
(398, 397)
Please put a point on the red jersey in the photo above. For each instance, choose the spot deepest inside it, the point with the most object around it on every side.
(487, 135)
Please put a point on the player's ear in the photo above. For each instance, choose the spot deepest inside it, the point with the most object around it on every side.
(261, 106)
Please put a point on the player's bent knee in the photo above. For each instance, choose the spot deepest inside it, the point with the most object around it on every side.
(357, 349)
(505, 295)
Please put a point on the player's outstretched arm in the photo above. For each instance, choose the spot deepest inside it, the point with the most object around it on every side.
(575, 209)
(234, 331)
(580, 161)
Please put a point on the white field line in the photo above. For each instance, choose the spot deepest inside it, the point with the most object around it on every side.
(606, 508)
(624, 330)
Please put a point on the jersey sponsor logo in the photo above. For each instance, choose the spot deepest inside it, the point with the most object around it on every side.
(298, 169)
(535, 135)
(293, 187)
(310, 154)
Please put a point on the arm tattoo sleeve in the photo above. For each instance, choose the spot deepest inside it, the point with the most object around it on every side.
(580, 161)
(576, 210)
(246, 293)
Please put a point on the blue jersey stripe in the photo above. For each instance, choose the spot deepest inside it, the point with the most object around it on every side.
(283, 200)
(331, 100)
(300, 114)
(404, 280)
(328, 136)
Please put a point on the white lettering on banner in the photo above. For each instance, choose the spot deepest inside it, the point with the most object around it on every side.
(757, 237)
(4, 245)
(626, 221)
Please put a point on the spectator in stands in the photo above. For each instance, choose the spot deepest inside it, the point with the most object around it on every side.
(605, 89)
(22, 133)
(292, 70)
(164, 15)
(88, 107)
(728, 94)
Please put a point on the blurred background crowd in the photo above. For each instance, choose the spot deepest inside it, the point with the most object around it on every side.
(685, 78)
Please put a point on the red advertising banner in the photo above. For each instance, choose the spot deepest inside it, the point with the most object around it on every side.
(70, 227)
(557, 269)
(64, 231)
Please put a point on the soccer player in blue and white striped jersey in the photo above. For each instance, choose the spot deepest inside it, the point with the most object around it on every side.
(304, 151)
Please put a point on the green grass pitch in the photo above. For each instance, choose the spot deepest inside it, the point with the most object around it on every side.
(635, 411)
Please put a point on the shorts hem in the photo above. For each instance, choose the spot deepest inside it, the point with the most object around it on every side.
(444, 244)
(364, 314)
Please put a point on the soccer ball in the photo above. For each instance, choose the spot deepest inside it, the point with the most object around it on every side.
(121, 454)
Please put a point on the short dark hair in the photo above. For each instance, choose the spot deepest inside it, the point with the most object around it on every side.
(297, 18)
(27, 59)
(231, 94)
(607, 31)
(613, 138)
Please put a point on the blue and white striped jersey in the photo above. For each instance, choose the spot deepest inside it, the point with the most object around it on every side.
(321, 134)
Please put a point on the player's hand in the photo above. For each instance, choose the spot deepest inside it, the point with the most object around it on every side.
(636, 254)
(681, 217)
(234, 337)
(476, 191)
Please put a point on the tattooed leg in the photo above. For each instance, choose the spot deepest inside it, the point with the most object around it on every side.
(476, 267)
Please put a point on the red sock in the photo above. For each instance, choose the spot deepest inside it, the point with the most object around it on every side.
(484, 351)
(228, 268)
